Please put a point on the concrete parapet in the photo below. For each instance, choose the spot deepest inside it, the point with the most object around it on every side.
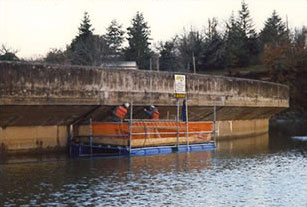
(38, 84)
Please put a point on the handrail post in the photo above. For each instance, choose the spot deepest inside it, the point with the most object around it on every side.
(187, 123)
(71, 137)
(91, 138)
(214, 123)
(130, 125)
(177, 123)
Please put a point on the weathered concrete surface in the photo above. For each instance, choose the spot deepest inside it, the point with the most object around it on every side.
(55, 95)
(240, 128)
(18, 115)
(33, 139)
(36, 95)
(27, 84)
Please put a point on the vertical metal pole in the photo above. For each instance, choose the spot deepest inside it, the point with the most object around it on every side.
(214, 123)
(194, 65)
(130, 125)
(187, 123)
(91, 137)
(71, 136)
(150, 88)
(177, 123)
(150, 64)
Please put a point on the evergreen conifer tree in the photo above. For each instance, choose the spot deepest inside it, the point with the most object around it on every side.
(169, 56)
(87, 48)
(138, 39)
(79, 50)
(213, 54)
(242, 45)
(85, 26)
(274, 30)
(190, 45)
(114, 38)
(250, 39)
(245, 21)
(235, 44)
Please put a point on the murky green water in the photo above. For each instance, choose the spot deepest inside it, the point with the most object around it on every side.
(260, 171)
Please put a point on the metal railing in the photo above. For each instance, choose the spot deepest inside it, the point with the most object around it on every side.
(181, 129)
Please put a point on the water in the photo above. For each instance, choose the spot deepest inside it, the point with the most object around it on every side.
(269, 170)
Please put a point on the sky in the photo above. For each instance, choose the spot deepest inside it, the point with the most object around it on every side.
(33, 27)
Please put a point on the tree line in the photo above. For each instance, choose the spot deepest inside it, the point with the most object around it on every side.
(238, 45)
(91, 49)
(280, 50)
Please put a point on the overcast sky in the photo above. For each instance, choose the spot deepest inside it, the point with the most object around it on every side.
(34, 26)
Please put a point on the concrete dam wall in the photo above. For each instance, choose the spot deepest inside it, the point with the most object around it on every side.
(38, 102)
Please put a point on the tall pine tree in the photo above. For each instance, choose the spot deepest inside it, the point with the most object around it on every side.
(251, 43)
(80, 47)
(274, 30)
(241, 40)
(235, 44)
(245, 21)
(138, 39)
(213, 54)
(277, 48)
(87, 48)
(114, 38)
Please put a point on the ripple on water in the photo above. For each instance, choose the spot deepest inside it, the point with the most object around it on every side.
(185, 179)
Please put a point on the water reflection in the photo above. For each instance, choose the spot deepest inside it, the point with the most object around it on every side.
(113, 180)
(179, 162)
(244, 147)
(267, 170)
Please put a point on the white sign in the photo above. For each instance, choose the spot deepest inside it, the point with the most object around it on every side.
(180, 84)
